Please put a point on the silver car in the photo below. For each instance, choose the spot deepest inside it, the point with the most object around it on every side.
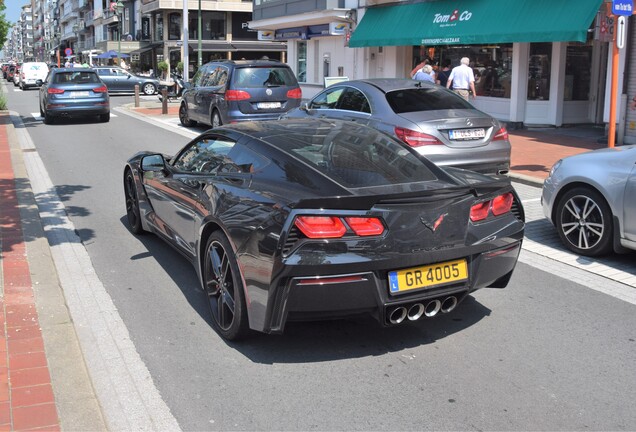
(591, 200)
(437, 122)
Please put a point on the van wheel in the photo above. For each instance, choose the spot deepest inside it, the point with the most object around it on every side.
(216, 119)
(183, 116)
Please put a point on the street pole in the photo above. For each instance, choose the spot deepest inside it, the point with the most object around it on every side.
(200, 56)
(120, 12)
(185, 47)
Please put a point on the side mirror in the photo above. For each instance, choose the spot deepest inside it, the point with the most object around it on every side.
(39, 82)
(305, 107)
(154, 163)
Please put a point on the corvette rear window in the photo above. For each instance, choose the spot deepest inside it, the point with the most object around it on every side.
(357, 161)
(424, 99)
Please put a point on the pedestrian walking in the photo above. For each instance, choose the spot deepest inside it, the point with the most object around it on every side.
(424, 74)
(462, 79)
(442, 76)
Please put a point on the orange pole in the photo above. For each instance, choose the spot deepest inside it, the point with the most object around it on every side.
(611, 139)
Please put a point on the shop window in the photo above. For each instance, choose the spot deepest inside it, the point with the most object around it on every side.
(213, 26)
(492, 65)
(174, 26)
(301, 65)
(539, 71)
(578, 73)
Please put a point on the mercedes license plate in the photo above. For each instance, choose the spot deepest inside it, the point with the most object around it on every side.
(428, 276)
(465, 134)
(268, 105)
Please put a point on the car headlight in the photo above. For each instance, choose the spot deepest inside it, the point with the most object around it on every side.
(555, 167)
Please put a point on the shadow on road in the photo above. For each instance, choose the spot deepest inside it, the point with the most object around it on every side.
(316, 341)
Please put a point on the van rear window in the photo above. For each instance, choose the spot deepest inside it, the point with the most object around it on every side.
(259, 77)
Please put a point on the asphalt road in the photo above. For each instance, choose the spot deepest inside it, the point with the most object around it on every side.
(543, 354)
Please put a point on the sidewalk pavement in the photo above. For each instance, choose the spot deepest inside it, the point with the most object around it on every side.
(46, 389)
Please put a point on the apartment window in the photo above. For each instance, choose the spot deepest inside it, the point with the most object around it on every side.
(174, 26)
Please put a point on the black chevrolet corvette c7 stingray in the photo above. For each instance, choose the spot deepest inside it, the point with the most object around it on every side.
(310, 219)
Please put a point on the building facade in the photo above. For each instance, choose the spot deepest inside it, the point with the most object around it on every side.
(539, 63)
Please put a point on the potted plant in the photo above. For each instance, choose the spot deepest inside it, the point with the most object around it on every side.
(163, 66)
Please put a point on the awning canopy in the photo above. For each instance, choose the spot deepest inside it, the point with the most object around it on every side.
(475, 22)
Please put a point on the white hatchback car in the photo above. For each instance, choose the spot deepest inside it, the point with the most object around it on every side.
(31, 72)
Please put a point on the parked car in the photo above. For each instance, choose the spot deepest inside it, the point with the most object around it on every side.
(306, 218)
(5, 69)
(32, 73)
(435, 121)
(228, 91)
(119, 80)
(73, 92)
(11, 72)
(591, 200)
(16, 77)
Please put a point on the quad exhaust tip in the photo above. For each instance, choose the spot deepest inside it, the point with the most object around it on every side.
(398, 315)
(415, 311)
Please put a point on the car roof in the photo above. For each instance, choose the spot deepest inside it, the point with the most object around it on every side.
(270, 130)
(248, 63)
(390, 84)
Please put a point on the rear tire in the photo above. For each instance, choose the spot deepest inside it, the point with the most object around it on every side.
(48, 119)
(104, 118)
(223, 286)
(216, 119)
(149, 89)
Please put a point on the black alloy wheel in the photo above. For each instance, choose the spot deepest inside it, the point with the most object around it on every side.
(132, 204)
(584, 222)
(224, 288)
(183, 116)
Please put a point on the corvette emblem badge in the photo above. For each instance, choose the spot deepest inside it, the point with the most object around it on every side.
(433, 225)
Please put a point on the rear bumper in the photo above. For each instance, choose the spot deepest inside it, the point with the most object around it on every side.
(310, 297)
(77, 111)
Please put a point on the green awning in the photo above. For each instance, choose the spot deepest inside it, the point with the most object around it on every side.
(468, 22)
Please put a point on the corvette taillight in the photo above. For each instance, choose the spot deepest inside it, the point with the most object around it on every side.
(415, 138)
(365, 226)
(497, 206)
(501, 135)
(326, 227)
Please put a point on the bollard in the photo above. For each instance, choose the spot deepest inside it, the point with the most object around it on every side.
(136, 95)
(164, 101)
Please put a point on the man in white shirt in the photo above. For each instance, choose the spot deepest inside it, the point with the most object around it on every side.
(462, 79)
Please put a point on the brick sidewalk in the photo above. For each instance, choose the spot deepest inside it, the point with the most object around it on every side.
(26, 395)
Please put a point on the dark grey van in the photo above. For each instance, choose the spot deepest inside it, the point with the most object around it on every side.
(230, 91)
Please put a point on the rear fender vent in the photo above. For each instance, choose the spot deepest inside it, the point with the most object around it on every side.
(291, 240)
(517, 210)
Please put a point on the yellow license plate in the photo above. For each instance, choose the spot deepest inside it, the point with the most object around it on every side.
(428, 276)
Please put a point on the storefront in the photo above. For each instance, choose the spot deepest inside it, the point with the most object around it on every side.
(537, 63)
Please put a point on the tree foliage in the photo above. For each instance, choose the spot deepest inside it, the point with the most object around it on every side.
(4, 24)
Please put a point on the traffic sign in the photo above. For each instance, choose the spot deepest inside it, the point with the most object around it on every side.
(621, 33)
(622, 7)
(68, 52)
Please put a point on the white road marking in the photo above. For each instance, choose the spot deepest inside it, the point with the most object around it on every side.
(36, 116)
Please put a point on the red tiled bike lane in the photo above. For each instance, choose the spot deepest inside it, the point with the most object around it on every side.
(26, 395)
